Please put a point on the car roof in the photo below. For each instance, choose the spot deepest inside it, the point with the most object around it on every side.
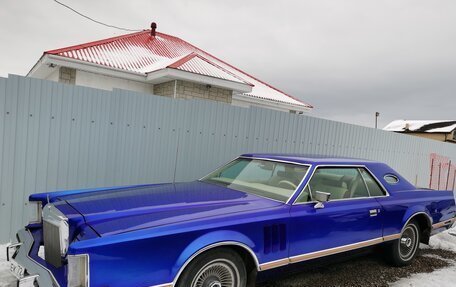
(311, 159)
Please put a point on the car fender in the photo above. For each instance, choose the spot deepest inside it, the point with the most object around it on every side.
(212, 240)
(414, 211)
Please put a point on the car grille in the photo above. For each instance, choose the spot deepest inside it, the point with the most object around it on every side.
(52, 244)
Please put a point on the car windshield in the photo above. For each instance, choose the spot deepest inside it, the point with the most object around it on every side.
(270, 179)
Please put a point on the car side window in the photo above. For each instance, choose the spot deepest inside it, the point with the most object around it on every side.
(340, 182)
(372, 185)
(305, 195)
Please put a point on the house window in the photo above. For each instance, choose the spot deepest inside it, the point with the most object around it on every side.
(454, 135)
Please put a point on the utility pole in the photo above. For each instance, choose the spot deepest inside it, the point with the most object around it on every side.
(377, 114)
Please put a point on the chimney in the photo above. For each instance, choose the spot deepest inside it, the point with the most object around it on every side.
(153, 27)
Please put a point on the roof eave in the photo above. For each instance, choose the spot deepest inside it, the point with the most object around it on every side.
(271, 103)
(47, 59)
(175, 74)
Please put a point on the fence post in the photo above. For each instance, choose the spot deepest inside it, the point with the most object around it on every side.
(440, 171)
(432, 171)
(454, 179)
(448, 175)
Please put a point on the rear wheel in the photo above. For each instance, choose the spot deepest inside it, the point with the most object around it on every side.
(403, 251)
(218, 268)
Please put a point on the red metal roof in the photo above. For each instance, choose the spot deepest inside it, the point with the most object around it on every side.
(197, 64)
(142, 53)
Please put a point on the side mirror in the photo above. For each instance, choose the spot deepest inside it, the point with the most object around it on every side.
(321, 198)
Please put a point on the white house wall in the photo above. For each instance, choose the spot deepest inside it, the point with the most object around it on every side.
(99, 81)
(54, 76)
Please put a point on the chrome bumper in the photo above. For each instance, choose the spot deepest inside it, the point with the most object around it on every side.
(27, 271)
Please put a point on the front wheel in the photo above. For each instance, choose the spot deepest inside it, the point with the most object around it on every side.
(403, 251)
(218, 268)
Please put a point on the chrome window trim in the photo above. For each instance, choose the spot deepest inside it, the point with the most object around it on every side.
(365, 183)
(273, 160)
(220, 166)
(387, 194)
(391, 175)
(211, 246)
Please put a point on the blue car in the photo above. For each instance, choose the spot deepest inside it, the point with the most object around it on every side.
(256, 213)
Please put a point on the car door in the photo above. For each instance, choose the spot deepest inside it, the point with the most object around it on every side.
(350, 219)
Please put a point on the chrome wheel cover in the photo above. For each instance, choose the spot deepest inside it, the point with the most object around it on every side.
(217, 273)
(408, 243)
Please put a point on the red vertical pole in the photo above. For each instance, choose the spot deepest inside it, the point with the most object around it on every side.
(448, 175)
(432, 169)
(440, 170)
(454, 179)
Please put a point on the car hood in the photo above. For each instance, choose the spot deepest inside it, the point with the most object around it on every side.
(122, 210)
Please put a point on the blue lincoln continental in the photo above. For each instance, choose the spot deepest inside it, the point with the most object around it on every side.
(258, 212)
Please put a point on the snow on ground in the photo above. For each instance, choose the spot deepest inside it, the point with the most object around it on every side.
(440, 278)
(6, 279)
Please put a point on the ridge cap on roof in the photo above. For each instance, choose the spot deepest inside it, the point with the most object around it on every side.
(223, 69)
(194, 54)
(182, 60)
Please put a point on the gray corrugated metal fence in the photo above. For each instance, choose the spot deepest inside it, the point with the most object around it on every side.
(55, 136)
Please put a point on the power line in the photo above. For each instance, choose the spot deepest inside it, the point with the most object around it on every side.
(93, 20)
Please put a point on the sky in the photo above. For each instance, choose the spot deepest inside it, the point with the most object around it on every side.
(349, 59)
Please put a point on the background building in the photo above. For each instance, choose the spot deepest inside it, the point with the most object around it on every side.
(160, 64)
(444, 131)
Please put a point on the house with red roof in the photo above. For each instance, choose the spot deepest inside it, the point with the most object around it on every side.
(164, 65)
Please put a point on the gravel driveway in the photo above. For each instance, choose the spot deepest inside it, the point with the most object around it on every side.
(369, 270)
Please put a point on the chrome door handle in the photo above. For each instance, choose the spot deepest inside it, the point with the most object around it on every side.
(373, 212)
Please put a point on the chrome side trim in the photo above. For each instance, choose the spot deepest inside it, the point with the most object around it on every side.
(164, 285)
(224, 243)
(335, 250)
(342, 166)
(274, 264)
(327, 252)
(391, 237)
(444, 223)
